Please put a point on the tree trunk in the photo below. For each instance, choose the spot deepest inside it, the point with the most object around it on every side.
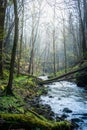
(54, 64)
(30, 70)
(21, 40)
(83, 32)
(85, 18)
(54, 60)
(64, 42)
(9, 86)
(2, 20)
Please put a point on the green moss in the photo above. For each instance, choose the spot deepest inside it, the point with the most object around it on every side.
(31, 83)
(6, 73)
(20, 78)
(2, 87)
(32, 121)
(11, 104)
(64, 125)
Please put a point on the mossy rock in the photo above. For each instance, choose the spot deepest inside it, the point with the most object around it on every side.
(82, 79)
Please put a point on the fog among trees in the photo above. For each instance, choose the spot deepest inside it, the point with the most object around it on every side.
(42, 37)
(43, 64)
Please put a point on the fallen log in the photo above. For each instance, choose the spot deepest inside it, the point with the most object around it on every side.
(62, 76)
(22, 121)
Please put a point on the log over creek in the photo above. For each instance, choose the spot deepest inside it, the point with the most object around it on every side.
(63, 77)
(67, 101)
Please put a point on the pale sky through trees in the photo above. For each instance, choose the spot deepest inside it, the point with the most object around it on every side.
(41, 14)
(46, 17)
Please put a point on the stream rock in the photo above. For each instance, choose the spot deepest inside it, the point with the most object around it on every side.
(45, 110)
(64, 116)
(67, 110)
(50, 96)
(85, 114)
(84, 117)
(74, 120)
(81, 79)
(59, 98)
(59, 118)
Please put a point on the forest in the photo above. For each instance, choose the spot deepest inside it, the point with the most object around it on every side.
(43, 64)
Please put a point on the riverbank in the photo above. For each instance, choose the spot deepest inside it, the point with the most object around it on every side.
(68, 101)
(23, 111)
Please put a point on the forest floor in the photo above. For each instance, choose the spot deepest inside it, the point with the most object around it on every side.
(22, 111)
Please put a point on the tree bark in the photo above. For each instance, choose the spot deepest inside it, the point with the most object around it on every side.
(33, 42)
(84, 49)
(21, 40)
(9, 86)
(64, 42)
(54, 57)
(33, 39)
(3, 4)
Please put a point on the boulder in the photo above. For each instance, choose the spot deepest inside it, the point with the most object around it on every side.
(76, 120)
(67, 110)
(81, 79)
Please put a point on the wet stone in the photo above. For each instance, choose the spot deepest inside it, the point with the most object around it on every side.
(67, 110)
(84, 117)
(50, 96)
(85, 114)
(64, 116)
(58, 118)
(76, 120)
(59, 98)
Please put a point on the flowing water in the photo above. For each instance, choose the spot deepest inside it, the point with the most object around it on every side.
(65, 98)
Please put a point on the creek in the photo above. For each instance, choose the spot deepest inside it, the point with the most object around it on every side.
(69, 101)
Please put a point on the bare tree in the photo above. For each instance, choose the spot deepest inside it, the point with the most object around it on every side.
(34, 33)
(64, 42)
(9, 86)
(3, 4)
(54, 60)
(21, 39)
(84, 49)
